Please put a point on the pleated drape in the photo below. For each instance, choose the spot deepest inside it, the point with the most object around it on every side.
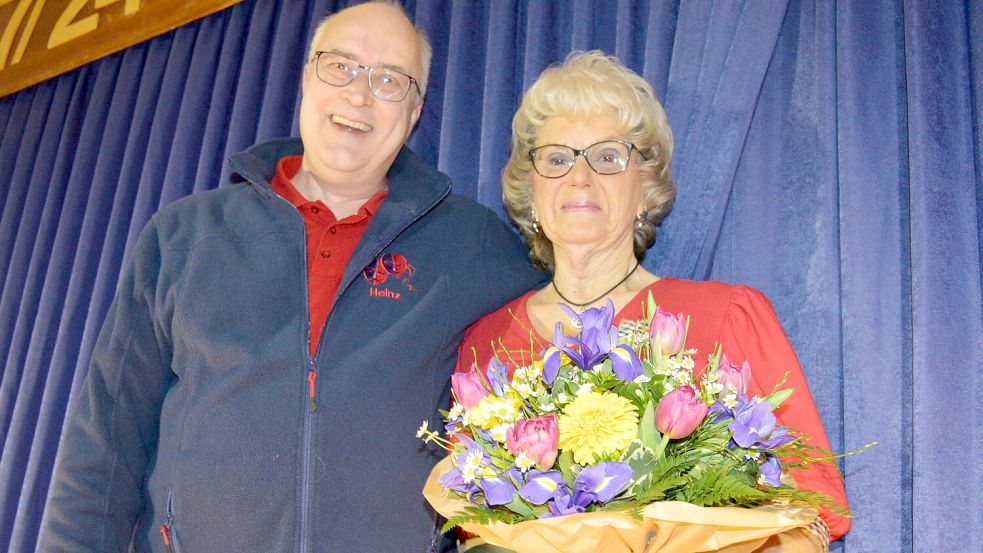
(827, 153)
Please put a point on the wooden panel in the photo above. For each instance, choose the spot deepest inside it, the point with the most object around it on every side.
(43, 38)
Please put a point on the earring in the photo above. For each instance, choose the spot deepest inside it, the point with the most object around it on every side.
(535, 222)
(640, 221)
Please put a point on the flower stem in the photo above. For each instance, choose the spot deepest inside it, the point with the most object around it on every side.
(661, 448)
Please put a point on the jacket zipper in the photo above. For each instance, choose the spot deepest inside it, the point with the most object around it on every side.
(167, 528)
(311, 389)
(305, 470)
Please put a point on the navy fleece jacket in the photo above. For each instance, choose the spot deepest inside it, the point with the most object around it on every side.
(196, 414)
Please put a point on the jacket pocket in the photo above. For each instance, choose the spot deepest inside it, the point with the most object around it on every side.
(168, 529)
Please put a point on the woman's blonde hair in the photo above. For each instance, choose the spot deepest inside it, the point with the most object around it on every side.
(585, 84)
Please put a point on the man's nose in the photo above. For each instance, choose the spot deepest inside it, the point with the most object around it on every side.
(358, 91)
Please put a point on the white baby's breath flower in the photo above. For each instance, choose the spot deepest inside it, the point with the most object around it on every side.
(524, 463)
(471, 466)
(456, 412)
(714, 388)
(730, 400)
(423, 429)
(584, 390)
(524, 390)
(498, 432)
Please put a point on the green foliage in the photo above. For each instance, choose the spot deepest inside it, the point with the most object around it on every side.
(647, 432)
(481, 515)
(722, 485)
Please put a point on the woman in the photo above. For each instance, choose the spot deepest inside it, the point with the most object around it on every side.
(589, 222)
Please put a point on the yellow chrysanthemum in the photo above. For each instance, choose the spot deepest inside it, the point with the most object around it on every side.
(596, 424)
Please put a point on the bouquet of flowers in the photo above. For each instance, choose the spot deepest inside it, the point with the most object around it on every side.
(608, 438)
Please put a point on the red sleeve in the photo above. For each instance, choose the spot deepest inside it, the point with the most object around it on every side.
(751, 331)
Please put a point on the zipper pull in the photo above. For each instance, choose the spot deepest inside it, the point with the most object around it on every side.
(165, 531)
(311, 378)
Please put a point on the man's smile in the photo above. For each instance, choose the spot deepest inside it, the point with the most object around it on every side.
(357, 125)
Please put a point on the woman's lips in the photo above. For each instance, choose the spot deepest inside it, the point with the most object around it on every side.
(580, 206)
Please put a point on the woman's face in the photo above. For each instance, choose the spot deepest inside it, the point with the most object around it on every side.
(582, 208)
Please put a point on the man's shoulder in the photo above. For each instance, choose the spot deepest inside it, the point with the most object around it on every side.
(194, 204)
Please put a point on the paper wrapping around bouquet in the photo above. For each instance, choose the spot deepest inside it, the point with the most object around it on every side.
(667, 527)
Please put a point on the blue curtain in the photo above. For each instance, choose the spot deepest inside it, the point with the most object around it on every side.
(828, 153)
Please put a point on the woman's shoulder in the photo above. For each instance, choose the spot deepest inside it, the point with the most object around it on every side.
(707, 291)
(712, 304)
(501, 321)
(506, 328)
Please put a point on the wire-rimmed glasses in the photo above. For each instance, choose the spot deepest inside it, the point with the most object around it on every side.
(384, 83)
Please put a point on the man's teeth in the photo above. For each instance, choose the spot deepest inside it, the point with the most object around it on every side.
(357, 125)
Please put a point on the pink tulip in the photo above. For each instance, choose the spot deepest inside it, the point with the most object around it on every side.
(728, 374)
(668, 332)
(468, 387)
(679, 412)
(538, 438)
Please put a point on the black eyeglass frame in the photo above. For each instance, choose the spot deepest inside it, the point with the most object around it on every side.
(583, 153)
(359, 67)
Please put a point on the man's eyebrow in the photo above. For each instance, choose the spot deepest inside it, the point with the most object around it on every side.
(350, 55)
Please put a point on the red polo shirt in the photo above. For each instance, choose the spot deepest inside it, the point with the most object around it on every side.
(330, 242)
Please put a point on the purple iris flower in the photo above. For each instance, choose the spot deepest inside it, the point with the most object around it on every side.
(596, 335)
(499, 490)
(754, 426)
(771, 469)
(563, 504)
(552, 356)
(778, 438)
(452, 480)
(601, 482)
(497, 376)
(598, 341)
(625, 363)
(540, 487)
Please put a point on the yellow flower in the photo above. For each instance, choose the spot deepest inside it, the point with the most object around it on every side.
(597, 424)
(493, 410)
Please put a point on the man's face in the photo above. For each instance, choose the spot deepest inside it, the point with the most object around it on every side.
(351, 137)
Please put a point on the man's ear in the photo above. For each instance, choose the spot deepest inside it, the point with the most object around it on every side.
(416, 113)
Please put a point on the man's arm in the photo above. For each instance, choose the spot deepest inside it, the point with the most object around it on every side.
(96, 495)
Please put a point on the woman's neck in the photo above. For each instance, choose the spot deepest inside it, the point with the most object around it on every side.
(580, 277)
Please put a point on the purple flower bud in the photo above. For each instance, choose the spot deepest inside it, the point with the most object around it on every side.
(771, 470)
(679, 412)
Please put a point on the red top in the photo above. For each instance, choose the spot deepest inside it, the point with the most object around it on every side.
(740, 318)
(330, 242)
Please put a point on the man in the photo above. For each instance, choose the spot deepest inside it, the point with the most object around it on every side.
(274, 344)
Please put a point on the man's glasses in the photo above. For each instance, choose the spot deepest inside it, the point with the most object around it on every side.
(608, 157)
(384, 83)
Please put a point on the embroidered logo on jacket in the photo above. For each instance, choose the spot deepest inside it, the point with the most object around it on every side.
(391, 268)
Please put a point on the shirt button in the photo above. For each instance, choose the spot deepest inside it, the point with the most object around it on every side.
(325, 253)
(333, 230)
(315, 209)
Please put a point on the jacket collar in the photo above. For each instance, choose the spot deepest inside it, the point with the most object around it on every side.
(413, 185)
(414, 189)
